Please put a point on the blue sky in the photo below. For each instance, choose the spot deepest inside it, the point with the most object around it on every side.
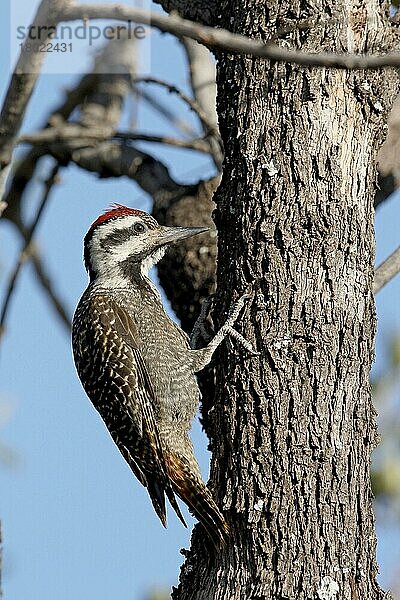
(75, 521)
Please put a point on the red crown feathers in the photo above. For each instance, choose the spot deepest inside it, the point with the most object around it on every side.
(115, 210)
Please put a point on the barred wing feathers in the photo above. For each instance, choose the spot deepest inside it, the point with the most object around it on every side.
(106, 347)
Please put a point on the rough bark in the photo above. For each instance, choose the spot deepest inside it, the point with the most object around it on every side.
(293, 429)
(201, 11)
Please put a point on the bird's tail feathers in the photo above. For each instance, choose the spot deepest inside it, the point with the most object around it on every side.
(174, 504)
(156, 493)
(192, 490)
(157, 488)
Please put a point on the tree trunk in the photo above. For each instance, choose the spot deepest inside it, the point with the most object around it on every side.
(293, 429)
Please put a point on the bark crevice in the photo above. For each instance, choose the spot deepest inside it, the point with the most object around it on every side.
(293, 429)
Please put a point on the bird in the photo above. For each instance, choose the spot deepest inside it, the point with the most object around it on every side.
(137, 366)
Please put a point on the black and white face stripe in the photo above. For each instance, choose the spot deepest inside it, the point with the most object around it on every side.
(119, 223)
(120, 236)
(125, 246)
(127, 237)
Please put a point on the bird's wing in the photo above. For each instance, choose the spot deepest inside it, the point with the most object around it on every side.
(114, 375)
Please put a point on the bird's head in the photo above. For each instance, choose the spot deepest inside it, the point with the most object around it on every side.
(125, 238)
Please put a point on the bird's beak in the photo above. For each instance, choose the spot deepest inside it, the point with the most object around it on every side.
(168, 235)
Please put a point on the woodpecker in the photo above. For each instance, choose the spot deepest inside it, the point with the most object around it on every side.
(137, 366)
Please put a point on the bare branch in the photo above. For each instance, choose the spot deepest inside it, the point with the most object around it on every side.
(23, 81)
(232, 42)
(202, 78)
(109, 159)
(4, 172)
(46, 283)
(74, 97)
(116, 66)
(23, 175)
(25, 169)
(210, 128)
(106, 159)
(65, 132)
(26, 251)
(117, 160)
(83, 137)
(165, 111)
(193, 104)
(198, 144)
(386, 271)
(203, 82)
(103, 95)
(43, 278)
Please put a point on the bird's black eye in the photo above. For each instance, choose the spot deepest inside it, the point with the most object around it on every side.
(139, 227)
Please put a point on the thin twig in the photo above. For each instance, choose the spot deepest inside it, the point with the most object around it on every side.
(26, 250)
(110, 159)
(47, 286)
(166, 112)
(228, 41)
(24, 170)
(91, 86)
(387, 270)
(63, 133)
(208, 126)
(198, 144)
(83, 135)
